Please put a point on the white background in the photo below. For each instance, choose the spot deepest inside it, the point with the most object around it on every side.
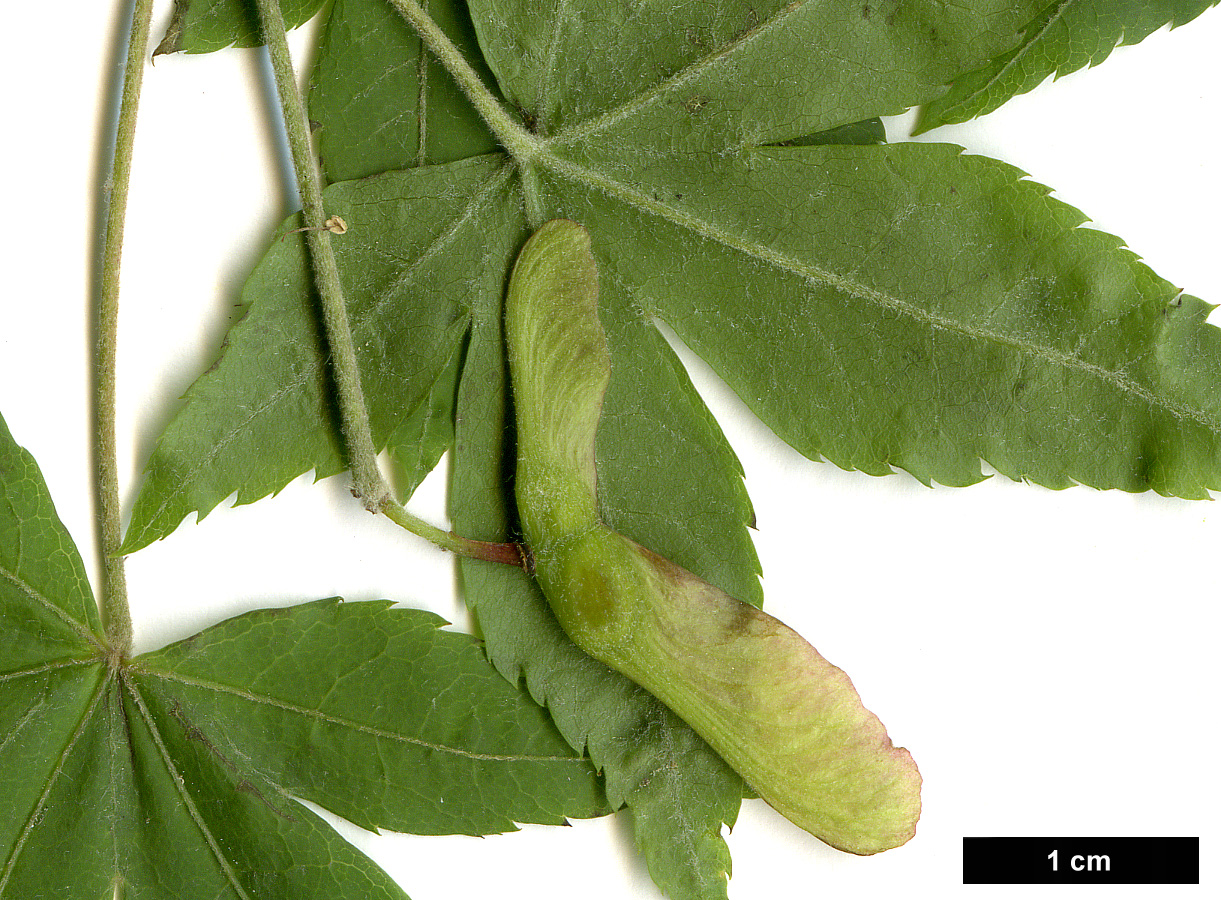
(1048, 657)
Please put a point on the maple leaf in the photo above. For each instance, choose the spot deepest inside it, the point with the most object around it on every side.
(179, 772)
(1066, 36)
(881, 306)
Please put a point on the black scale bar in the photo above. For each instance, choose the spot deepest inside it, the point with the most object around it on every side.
(1081, 860)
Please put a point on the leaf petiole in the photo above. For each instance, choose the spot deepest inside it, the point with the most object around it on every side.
(362, 457)
(116, 613)
(489, 551)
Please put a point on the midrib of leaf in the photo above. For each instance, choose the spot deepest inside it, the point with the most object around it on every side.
(769, 256)
(1020, 53)
(46, 667)
(26, 588)
(687, 830)
(184, 795)
(52, 779)
(581, 130)
(330, 719)
(202, 462)
(116, 763)
(476, 204)
(421, 152)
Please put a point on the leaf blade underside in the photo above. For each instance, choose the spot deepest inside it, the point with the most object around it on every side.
(1067, 35)
(697, 76)
(606, 150)
(382, 101)
(861, 260)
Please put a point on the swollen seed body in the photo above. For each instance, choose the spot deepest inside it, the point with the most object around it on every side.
(787, 720)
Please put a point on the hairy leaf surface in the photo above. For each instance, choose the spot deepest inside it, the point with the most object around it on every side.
(695, 76)
(412, 260)
(989, 325)
(1066, 36)
(382, 101)
(176, 773)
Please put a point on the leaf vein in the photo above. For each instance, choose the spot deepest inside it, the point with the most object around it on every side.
(28, 589)
(476, 204)
(21, 723)
(46, 667)
(342, 722)
(31, 821)
(187, 800)
(422, 62)
(224, 440)
(580, 130)
(849, 286)
(360, 319)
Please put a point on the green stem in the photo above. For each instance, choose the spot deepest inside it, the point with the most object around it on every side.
(369, 485)
(509, 554)
(116, 613)
(519, 142)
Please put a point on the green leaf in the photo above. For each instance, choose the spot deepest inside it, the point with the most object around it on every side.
(882, 306)
(679, 790)
(693, 75)
(201, 26)
(382, 101)
(375, 714)
(1066, 36)
(428, 431)
(885, 373)
(177, 773)
(912, 307)
(45, 600)
(263, 415)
